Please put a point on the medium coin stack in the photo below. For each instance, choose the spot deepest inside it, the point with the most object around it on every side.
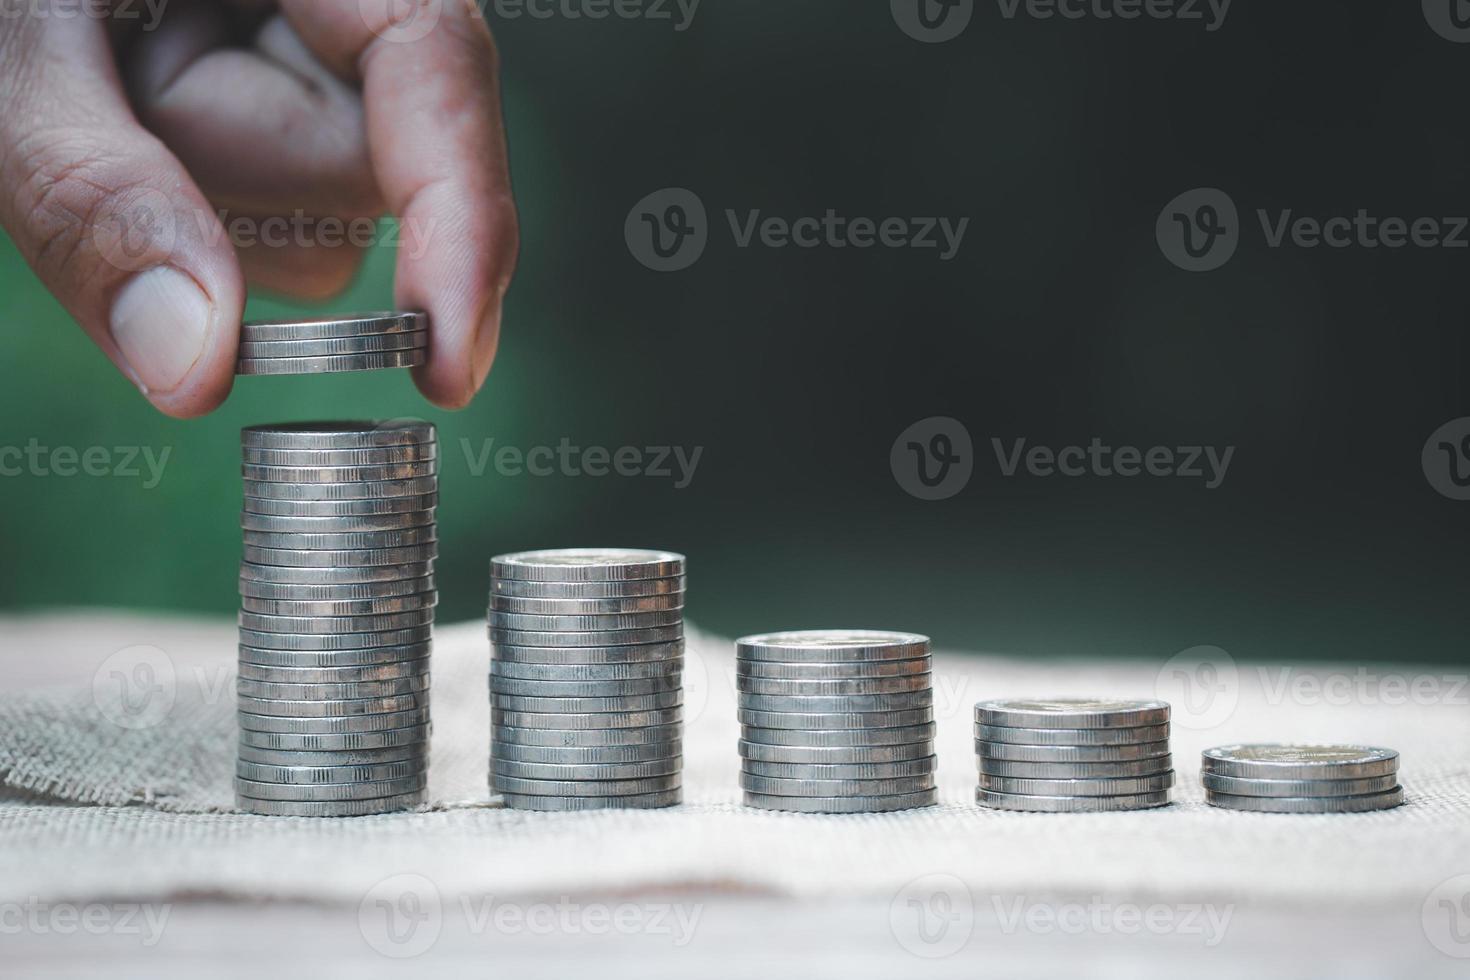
(337, 600)
(369, 342)
(1301, 778)
(586, 679)
(1073, 755)
(836, 721)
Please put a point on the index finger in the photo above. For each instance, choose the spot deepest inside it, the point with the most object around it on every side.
(430, 77)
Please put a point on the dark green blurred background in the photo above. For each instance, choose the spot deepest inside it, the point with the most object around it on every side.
(796, 369)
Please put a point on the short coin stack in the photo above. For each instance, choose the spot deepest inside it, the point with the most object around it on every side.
(1073, 755)
(586, 671)
(369, 342)
(337, 599)
(836, 721)
(1301, 778)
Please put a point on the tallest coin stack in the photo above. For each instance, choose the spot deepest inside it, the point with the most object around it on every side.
(337, 599)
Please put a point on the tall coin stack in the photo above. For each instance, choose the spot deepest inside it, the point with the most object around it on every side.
(586, 669)
(1073, 755)
(1301, 778)
(836, 721)
(370, 342)
(337, 599)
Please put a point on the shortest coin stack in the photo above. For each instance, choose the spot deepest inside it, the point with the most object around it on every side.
(836, 721)
(1073, 755)
(370, 342)
(1301, 778)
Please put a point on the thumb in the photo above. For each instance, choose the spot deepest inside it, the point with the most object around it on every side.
(110, 220)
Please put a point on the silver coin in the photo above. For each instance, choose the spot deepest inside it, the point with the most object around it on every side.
(516, 687)
(585, 721)
(1071, 713)
(344, 541)
(769, 786)
(1310, 804)
(827, 721)
(368, 324)
(346, 592)
(328, 792)
(858, 771)
(411, 738)
(266, 623)
(606, 638)
(847, 703)
(338, 608)
(413, 654)
(282, 708)
(832, 646)
(586, 787)
(297, 558)
(842, 804)
(304, 642)
(583, 771)
(1073, 770)
(1073, 737)
(502, 621)
(841, 738)
(355, 490)
(587, 565)
(417, 753)
(246, 367)
(1270, 761)
(836, 688)
(1126, 786)
(516, 801)
(588, 738)
(340, 457)
(423, 503)
(355, 575)
(301, 475)
(552, 706)
(574, 673)
(338, 524)
(1067, 754)
(599, 755)
(351, 691)
(334, 347)
(581, 591)
(770, 670)
(1069, 804)
(587, 607)
(334, 675)
(852, 756)
(1236, 786)
(636, 653)
(328, 775)
(342, 808)
(350, 725)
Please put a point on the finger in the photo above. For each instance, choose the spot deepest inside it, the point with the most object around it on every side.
(432, 99)
(264, 128)
(311, 260)
(110, 220)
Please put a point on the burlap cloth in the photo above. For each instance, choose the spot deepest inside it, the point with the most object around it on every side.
(92, 810)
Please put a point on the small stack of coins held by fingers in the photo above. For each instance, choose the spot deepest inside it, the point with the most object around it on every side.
(587, 659)
(1073, 755)
(836, 721)
(337, 603)
(1301, 778)
(370, 342)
